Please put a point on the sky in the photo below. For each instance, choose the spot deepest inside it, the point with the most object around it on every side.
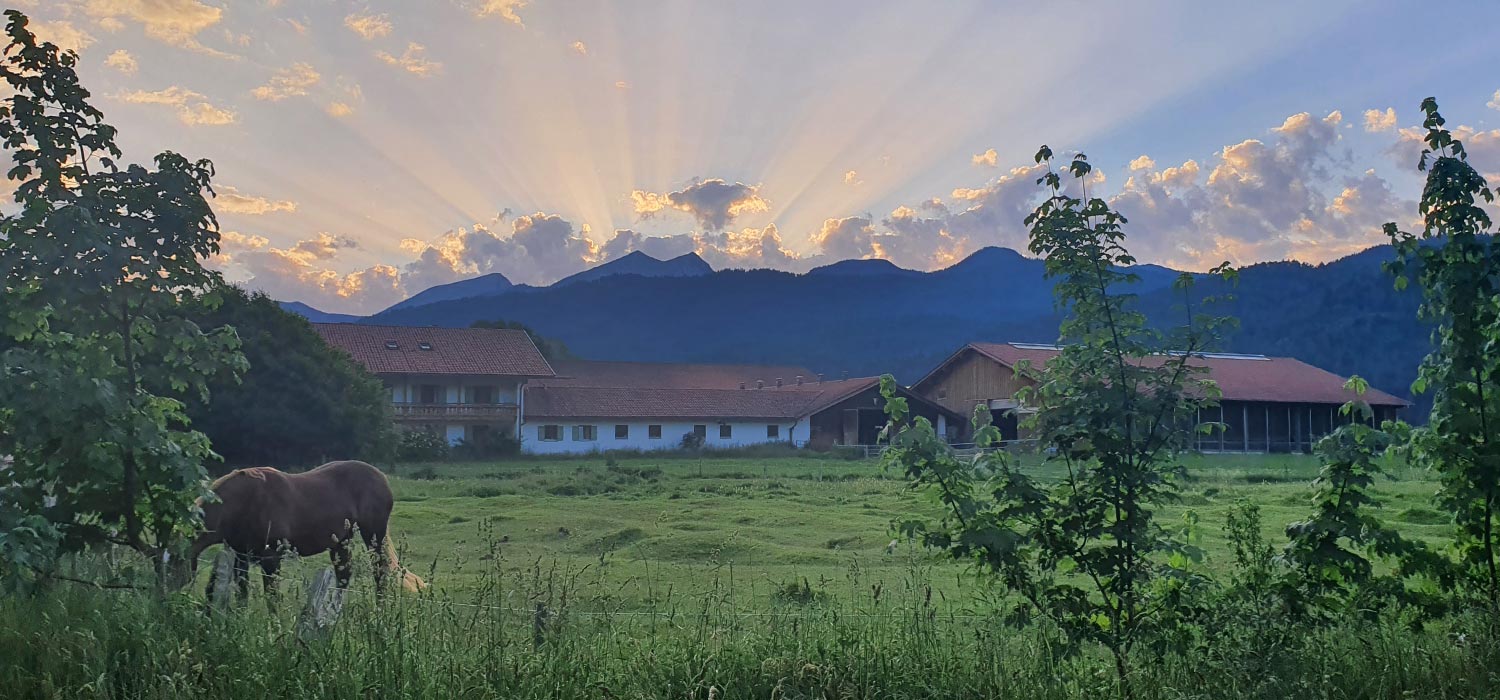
(368, 150)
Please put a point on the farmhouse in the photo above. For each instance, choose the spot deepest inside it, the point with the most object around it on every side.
(595, 406)
(458, 382)
(1269, 404)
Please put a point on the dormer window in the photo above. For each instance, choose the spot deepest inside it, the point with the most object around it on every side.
(424, 346)
(392, 345)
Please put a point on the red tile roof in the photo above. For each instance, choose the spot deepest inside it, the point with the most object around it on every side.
(788, 402)
(468, 351)
(668, 375)
(1240, 377)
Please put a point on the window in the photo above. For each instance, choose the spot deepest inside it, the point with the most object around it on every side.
(484, 394)
(585, 433)
(430, 393)
(549, 433)
(392, 345)
(773, 431)
(701, 431)
(424, 346)
(726, 431)
(653, 432)
(622, 432)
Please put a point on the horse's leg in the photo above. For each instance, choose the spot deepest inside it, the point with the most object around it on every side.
(242, 575)
(343, 564)
(269, 566)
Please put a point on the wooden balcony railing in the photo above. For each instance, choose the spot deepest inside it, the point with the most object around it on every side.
(454, 411)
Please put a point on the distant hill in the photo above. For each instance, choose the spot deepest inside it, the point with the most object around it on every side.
(851, 268)
(869, 317)
(643, 265)
(315, 315)
(483, 285)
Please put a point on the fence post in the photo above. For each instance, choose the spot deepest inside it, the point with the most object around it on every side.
(325, 600)
(222, 579)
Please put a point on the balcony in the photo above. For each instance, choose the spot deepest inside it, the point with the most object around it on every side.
(455, 411)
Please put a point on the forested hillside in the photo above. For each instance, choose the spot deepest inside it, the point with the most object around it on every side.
(867, 317)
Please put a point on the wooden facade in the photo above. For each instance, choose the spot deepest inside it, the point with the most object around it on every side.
(967, 380)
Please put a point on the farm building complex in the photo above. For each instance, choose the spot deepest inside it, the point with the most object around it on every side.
(1268, 404)
(462, 382)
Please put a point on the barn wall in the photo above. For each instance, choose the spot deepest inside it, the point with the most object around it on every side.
(828, 425)
(970, 380)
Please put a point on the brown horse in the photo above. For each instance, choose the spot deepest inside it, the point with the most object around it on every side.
(262, 512)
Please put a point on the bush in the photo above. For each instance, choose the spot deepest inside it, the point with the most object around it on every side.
(421, 446)
(487, 445)
(691, 441)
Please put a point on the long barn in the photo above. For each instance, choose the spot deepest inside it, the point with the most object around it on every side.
(1269, 404)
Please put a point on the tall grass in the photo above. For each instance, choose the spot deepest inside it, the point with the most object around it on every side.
(544, 632)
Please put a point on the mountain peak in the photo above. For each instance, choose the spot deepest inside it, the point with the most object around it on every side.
(862, 267)
(643, 265)
(482, 286)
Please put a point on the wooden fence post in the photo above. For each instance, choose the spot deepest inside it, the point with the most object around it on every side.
(325, 600)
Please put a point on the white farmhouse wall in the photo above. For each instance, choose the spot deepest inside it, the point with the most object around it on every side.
(742, 434)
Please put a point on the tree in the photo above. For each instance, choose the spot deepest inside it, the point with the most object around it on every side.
(300, 403)
(97, 265)
(1114, 408)
(1330, 552)
(550, 349)
(1456, 263)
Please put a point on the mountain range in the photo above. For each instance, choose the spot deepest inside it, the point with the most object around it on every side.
(863, 317)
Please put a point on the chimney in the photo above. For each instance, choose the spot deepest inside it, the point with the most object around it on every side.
(760, 383)
(820, 377)
(845, 375)
(742, 385)
(778, 382)
(799, 380)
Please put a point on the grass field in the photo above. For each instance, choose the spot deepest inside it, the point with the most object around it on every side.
(756, 527)
(718, 578)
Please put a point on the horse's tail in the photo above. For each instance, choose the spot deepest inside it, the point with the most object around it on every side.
(410, 582)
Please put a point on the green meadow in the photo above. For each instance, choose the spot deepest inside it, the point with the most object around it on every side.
(636, 526)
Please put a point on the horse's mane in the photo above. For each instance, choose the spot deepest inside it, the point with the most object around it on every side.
(251, 472)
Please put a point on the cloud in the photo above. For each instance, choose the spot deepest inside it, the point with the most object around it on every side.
(301, 272)
(1377, 121)
(540, 248)
(288, 82)
(713, 203)
(192, 108)
(174, 22)
(338, 109)
(233, 201)
(122, 61)
(622, 85)
(989, 159)
(1142, 163)
(368, 26)
(413, 60)
(63, 34)
(1494, 102)
(1261, 200)
(581, 48)
(849, 237)
(851, 177)
(504, 9)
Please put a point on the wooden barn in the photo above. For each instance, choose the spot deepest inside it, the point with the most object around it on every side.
(1269, 404)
